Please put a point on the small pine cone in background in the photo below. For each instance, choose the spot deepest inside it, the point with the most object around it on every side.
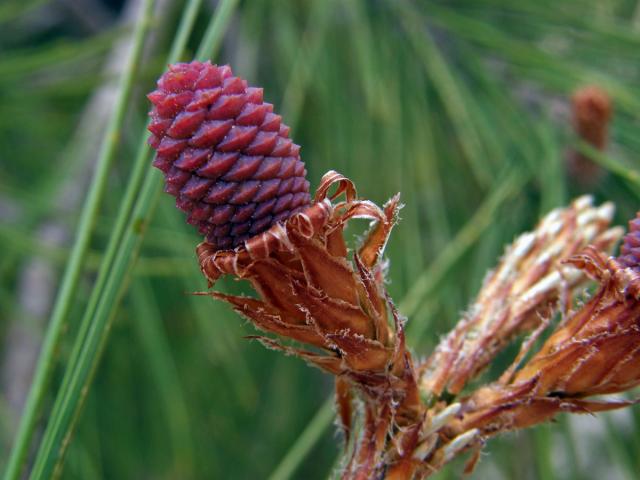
(591, 112)
(591, 115)
(225, 155)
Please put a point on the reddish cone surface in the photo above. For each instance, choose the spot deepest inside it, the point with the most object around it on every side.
(226, 156)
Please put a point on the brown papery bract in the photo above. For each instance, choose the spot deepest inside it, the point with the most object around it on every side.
(312, 291)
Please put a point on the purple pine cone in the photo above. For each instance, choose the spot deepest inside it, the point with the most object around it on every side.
(225, 155)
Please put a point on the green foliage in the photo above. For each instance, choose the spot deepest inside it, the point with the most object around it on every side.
(462, 106)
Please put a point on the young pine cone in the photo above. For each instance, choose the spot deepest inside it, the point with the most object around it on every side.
(225, 155)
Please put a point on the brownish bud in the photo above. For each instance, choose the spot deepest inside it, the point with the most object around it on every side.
(591, 111)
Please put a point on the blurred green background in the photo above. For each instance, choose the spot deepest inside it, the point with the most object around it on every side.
(463, 106)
